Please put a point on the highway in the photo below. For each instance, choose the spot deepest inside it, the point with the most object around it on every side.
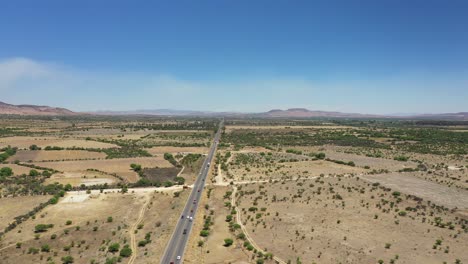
(174, 252)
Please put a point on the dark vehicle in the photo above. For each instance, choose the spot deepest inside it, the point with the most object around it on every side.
(185, 231)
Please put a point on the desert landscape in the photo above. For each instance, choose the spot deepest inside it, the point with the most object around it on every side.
(277, 192)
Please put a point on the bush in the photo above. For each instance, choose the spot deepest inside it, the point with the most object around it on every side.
(228, 242)
(32, 250)
(320, 155)
(42, 227)
(114, 247)
(142, 243)
(6, 172)
(126, 251)
(135, 167)
(228, 218)
(45, 248)
(401, 158)
(33, 173)
(67, 260)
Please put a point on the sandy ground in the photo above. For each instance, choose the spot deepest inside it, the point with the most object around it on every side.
(292, 169)
(154, 208)
(25, 142)
(168, 149)
(439, 194)
(56, 155)
(213, 250)
(87, 178)
(327, 230)
(119, 166)
(10, 207)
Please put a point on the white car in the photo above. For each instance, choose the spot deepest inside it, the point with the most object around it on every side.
(191, 218)
(178, 257)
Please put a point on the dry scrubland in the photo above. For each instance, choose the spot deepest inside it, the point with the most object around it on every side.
(302, 191)
(94, 189)
(343, 193)
(212, 217)
(333, 220)
(110, 218)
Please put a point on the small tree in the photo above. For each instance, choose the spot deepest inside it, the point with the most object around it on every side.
(114, 247)
(34, 147)
(228, 242)
(6, 172)
(204, 233)
(126, 251)
(45, 248)
(67, 260)
(33, 173)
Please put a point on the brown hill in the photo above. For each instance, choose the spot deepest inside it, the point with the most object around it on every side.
(9, 109)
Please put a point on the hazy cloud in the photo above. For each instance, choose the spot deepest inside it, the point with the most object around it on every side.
(27, 81)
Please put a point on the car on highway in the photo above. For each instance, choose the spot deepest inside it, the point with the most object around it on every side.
(185, 231)
(178, 258)
(191, 218)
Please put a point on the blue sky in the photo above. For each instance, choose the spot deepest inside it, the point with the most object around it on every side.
(353, 56)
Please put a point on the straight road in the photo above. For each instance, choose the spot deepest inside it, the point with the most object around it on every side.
(175, 248)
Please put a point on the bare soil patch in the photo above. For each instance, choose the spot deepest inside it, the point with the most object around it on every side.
(121, 167)
(10, 207)
(26, 142)
(174, 150)
(407, 183)
(161, 174)
(55, 155)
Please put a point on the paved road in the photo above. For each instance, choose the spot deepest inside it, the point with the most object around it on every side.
(175, 248)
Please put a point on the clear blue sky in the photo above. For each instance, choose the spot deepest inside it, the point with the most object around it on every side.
(371, 56)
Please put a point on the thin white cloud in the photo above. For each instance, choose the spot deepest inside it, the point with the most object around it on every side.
(24, 80)
(17, 69)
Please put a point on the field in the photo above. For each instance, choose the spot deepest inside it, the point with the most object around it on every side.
(56, 155)
(120, 167)
(9, 208)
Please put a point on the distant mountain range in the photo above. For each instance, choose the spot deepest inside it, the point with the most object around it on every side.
(9, 109)
(305, 113)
